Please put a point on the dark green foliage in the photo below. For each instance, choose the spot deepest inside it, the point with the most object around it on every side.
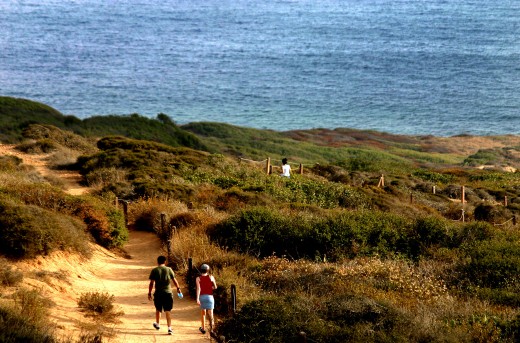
(494, 263)
(368, 160)
(492, 213)
(262, 231)
(143, 128)
(16, 329)
(427, 233)
(431, 176)
(344, 318)
(494, 156)
(16, 114)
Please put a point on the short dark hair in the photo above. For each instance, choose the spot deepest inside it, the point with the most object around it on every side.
(284, 161)
(161, 259)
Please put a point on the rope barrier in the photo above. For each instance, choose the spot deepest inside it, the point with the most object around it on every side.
(504, 223)
(248, 160)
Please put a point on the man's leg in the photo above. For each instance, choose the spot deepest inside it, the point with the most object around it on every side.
(168, 318)
(157, 316)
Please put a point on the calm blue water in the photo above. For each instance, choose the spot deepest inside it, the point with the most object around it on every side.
(439, 67)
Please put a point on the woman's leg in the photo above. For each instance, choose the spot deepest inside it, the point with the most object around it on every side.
(202, 319)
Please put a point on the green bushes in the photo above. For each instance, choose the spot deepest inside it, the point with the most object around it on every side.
(39, 220)
(29, 231)
(262, 231)
(494, 264)
(344, 318)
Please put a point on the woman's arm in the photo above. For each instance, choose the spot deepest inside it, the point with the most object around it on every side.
(214, 282)
(197, 282)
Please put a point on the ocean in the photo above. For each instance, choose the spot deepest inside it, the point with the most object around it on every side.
(417, 67)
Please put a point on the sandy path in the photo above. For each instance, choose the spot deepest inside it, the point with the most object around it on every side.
(71, 179)
(127, 279)
(66, 277)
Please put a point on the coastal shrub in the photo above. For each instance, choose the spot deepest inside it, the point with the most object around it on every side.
(429, 233)
(431, 176)
(17, 328)
(290, 318)
(249, 231)
(10, 163)
(263, 231)
(492, 213)
(491, 270)
(31, 305)
(474, 232)
(41, 146)
(160, 129)
(28, 231)
(49, 137)
(96, 303)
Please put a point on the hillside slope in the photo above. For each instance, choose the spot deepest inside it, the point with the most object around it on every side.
(63, 277)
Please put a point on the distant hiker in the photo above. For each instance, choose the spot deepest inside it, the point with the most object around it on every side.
(286, 168)
(162, 276)
(205, 285)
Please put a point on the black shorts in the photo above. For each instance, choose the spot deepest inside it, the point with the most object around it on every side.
(163, 301)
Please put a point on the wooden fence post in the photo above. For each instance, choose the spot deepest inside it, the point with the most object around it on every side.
(301, 169)
(125, 212)
(268, 165)
(433, 189)
(270, 169)
(462, 195)
(168, 238)
(302, 337)
(191, 289)
(505, 200)
(116, 202)
(381, 181)
(411, 198)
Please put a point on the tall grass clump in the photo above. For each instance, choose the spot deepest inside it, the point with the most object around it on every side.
(16, 328)
(8, 275)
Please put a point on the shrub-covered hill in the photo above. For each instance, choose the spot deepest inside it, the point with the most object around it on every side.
(17, 114)
(337, 252)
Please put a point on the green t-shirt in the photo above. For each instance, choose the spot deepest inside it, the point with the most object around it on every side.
(162, 276)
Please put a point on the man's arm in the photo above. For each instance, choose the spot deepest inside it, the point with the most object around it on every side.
(176, 285)
(150, 288)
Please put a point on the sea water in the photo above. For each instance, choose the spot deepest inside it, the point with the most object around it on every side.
(440, 67)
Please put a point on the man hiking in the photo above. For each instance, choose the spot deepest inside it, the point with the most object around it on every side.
(162, 276)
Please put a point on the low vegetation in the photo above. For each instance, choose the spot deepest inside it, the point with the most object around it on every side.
(370, 243)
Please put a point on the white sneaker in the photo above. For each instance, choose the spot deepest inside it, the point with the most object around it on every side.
(156, 326)
(170, 331)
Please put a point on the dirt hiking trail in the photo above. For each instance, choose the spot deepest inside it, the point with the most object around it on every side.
(63, 277)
